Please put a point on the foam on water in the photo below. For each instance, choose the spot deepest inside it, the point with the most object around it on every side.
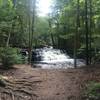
(55, 58)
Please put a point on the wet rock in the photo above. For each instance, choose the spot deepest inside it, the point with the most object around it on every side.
(2, 82)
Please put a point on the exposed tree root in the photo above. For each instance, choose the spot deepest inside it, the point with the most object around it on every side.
(19, 88)
(13, 95)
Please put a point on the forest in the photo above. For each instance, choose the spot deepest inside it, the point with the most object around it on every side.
(71, 26)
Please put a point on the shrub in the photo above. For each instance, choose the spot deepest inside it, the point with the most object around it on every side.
(9, 57)
(93, 91)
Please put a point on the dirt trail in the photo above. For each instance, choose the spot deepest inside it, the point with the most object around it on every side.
(26, 83)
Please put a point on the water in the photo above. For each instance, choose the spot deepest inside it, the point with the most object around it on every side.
(53, 58)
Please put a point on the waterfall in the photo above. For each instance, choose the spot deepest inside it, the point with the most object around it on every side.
(54, 58)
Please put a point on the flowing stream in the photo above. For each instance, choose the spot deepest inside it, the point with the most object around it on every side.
(53, 58)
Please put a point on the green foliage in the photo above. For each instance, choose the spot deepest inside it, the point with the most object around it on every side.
(13, 22)
(64, 21)
(96, 58)
(1, 2)
(93, 91)
(24, 59)
(16, 20)
(41, 35)
(9, 57)
(10, 3)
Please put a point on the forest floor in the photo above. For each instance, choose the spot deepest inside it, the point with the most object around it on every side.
(27, 83)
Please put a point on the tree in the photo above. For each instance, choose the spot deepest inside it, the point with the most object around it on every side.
(63, 15)
(77, 33)
(18, 28)
(31, 32)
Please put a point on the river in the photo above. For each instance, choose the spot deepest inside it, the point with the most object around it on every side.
(53, 58)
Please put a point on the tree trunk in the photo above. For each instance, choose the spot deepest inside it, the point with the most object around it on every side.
(8, 39)
(9, 35)
(90, 31)
(29, 57)
(31, 32)
(52, 38)
(87, 32)
(76, 34)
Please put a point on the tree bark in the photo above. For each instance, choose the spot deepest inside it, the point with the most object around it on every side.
(31, 32)
(90, 30)
(77, 33)
(87, 32)
(9, 35)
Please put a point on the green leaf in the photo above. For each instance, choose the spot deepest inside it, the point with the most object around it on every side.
(10, 3)
(1, 2)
